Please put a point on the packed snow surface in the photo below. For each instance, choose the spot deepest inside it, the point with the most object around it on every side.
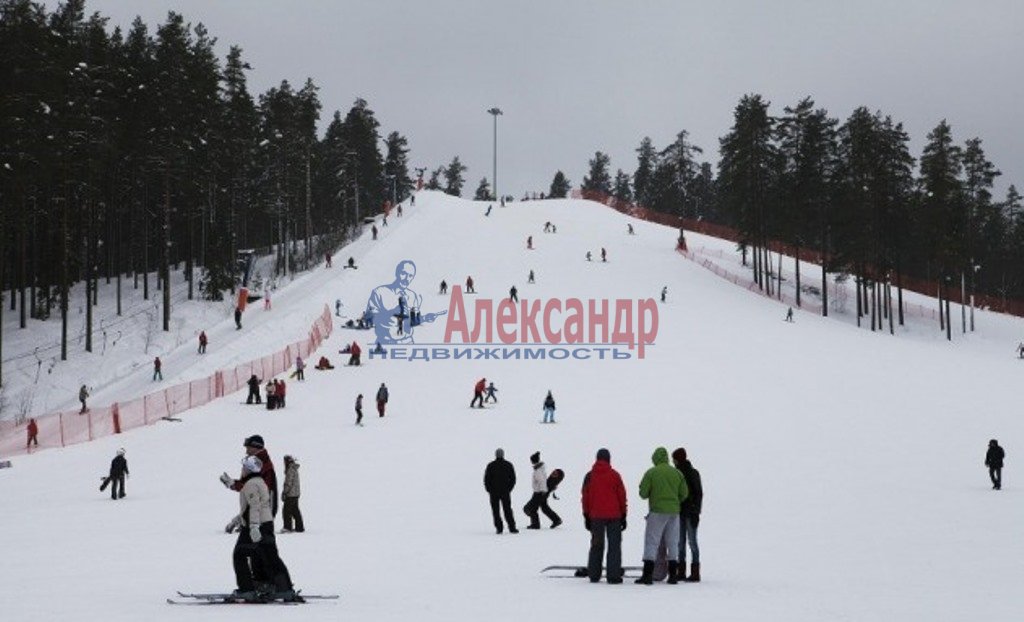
(842, 468)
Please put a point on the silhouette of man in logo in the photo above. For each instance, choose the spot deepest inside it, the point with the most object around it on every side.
(390, 307)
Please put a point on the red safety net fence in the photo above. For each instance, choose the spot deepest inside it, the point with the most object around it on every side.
(70, 427)
(925, 287)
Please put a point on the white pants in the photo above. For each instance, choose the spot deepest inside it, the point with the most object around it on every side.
(661, 526)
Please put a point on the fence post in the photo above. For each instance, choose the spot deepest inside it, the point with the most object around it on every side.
(116, 414)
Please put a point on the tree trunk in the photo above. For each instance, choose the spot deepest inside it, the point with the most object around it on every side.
(797, 268)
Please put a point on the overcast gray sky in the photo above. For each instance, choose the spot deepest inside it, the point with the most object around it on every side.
(577, 76)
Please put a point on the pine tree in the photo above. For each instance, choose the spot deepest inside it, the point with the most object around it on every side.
(560, 186)
(598, 179)
(453, 177)
(396, 165)
(646, 160)
(622, 190)
(483, 191)
(434, 183)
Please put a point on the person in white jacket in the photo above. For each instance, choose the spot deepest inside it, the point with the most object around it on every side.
(539, 500)
(290, 493)
(256, 545)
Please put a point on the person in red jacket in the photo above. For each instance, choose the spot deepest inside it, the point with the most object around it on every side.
(202, 342)
(281, 389)
(604, 514)
(478, 393)
(33, 432)
(355, 353)
(254, 446)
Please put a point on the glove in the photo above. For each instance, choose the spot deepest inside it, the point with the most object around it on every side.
(254, 534)
(623, 523)
(226, 480)
(586, 522)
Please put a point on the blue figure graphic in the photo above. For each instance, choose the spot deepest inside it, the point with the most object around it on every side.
(389, 305)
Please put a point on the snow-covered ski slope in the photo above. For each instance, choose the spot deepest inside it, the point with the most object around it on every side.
(842, 469)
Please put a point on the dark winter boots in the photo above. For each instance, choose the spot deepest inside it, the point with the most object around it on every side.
(694, 574)
(647, 577)
(673, 572)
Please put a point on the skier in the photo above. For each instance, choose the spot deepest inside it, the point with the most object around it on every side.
(280, 393)
(374, 231)
(530, 279)
(469, 285)
(994, 461)
(604, 515)
(355, 354)
(629, 229)
(499, 480)
(588, 256)
(33, 433)
(789, 314)
(444, 287)
(254, 390)
(327, 256)
(478, 393)
(549, 409)
(689, 516)
(271, 390)
(529, 243)
(488, 212)
(290, 493)
(604, 254)
(83, 394)
(118, 471)
(202, 342)
(300, 368)
(156, 369)
(412, 200)
(491, 390)
(382, 399)
(539, 500)
(337, 307)
(513, 294)
(359, 409)
(665, 488)
(255, 557)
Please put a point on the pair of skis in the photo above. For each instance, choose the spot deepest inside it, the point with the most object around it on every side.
(230, 599)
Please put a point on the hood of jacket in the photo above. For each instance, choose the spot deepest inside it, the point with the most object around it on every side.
(660, 456)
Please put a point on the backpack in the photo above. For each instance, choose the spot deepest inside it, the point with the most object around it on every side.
(554, 479)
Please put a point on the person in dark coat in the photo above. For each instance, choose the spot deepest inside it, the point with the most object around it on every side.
(689, 516)
(382, 399)
(499, 480)
(994, 461)
(254, 447)
(444, 287)
(202, 342)
(156, 369)
(359, 409)
(513, 294)
(254, 390)
(118, 471)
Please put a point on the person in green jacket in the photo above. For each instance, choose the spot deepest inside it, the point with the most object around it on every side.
(664, 488)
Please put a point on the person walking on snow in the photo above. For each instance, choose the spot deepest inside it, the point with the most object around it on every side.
(789, 314)
(539, 500)
(156, 369)
(478, 393)
(664, 293)
(83, 394)
(499, 480)
(281, 390)
(290, 493)
(33, 433)
(530, 279)
(491, 390)
(689, 516)
(604, 254)
(202, 342)
(373, 230)
(604, 515)
(994, 461)
(529, 243)
(444, 287)
(359, 409)
(382, 399)
(629, 229)
(118, 471)
(513, 294)
(665, 488)
(337, 307)
(254, 390)
(469, 285)
(549, 409)
(300, 368)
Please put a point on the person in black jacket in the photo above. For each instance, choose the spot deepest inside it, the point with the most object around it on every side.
(254, 390)
(994, 461)
(689, 516)
(499, 480)
(118, 471)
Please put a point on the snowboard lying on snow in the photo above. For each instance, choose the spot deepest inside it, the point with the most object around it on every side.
(580, 572)
(228, 598)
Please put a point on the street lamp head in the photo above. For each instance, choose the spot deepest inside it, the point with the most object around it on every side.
(495, 111)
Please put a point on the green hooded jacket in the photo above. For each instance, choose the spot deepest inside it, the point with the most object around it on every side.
(663, 485)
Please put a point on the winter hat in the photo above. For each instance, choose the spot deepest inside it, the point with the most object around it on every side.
(255, 441)
(604, 454)
(499, 453)
(535, 457)
(120, 452)
(679, 455)
(252, 464)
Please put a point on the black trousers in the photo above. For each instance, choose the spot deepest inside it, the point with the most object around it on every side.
(505, 502)
(292, 515)
(477, 398)
(600, 529)
(996, 475)
(539, 501)
(115, 481)
(359, 415)
(260, 561)
(254, 395)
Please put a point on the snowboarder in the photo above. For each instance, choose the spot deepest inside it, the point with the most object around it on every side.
(271, 390)
(530, 279)
(382, 399)
(549, 409)
(444, 287)
(604, 515)
(33, 433)
(83, 394)
(300, 368)
(469, 285)
(337, 307)
(324, 363)
(604, 254)
(499, 480)
(513, 294)
(280, 392)
(238, 313)
(491, 390)
(118, 471)
(488, 212)
(254, 390)
(629, 229)
(478, 393)
(359, 409)
(255, 557)
(689, 516)
(327, 256)
(547, 227)
(529, 243)
(789, 314)
(994, 461)
(351, 263)
(539, 500)
(378, 349)
(290, 493)
(156, 369)
(355, 354)
(374, 231)
(665, 488)
(202, 342)
(588, 256)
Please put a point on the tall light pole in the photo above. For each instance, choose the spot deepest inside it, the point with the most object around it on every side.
(494, 112)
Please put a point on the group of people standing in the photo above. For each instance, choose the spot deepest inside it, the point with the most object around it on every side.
(276, 391)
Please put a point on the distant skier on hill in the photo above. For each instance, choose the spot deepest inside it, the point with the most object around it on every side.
(300, 368)
(33, 433)
(530, 278)
(156, 369)
(994, 461)
(513, 294)
(202, 342)
(83, 394)
(588, 256)
(444, 287)
(549, 409)
(491, 390)
(469, 285)
(359, 409)
(488, 212)
(1020, 350)
(529, 243)
(629, 229)
(382, 399)
(478, 393)
(355, 354)
(374, 231)
(789, 314)
(604, 254)
(254, 390)
(664, 293)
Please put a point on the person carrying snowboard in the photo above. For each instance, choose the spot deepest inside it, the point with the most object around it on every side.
(382, 399)
(539, 500)
(478, 393)
(118, 471)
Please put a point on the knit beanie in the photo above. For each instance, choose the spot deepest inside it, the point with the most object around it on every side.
(535, 457)
(604, 454)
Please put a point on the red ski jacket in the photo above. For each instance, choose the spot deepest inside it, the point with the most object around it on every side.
(604, 496)
(480, 386)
